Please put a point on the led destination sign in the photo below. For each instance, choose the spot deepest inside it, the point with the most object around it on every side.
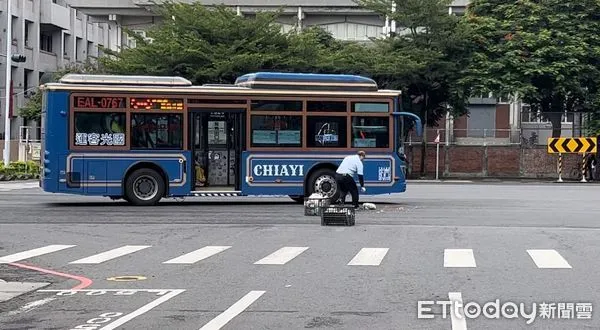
(156, 104)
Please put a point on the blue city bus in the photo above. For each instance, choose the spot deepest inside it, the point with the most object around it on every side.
(143, 138)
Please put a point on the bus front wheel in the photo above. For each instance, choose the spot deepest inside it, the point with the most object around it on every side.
(144, 187)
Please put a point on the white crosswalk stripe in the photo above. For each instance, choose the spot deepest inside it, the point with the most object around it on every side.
(281, 256)
(548, 259)
(369, 257)
(195, 256)
(33, 253)
(459, 258)
(365, 256)
(111, 254)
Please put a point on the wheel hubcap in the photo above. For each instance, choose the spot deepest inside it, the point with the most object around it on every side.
(145, 187)
(326, 185)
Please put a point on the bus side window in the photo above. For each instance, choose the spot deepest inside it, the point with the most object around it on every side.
(156, 131)
(326, 131)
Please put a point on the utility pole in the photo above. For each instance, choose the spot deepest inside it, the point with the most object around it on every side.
(7, 93)
(7, 86)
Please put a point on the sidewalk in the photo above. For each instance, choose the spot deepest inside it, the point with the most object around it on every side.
(30, 181)
(498, 181)
(10, 290)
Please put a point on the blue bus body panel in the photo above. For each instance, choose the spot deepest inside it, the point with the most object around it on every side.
(55, 125)
(284, 173)
(103, 173)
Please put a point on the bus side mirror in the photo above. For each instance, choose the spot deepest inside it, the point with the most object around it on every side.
(418, 126)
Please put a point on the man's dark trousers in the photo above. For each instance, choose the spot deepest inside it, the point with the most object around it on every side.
(346, 184)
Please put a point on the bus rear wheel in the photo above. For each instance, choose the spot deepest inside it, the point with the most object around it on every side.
(144, 187)
(323, 182)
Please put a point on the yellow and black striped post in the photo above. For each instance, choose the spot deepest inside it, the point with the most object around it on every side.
(560, 167)
(583, 168)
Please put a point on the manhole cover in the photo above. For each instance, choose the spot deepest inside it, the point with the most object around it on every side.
(127, 278)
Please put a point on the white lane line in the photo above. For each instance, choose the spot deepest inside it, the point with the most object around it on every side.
(548, 259)
(231, 312)
(195, 256)
(33, 253)
(459, 322)
(29, 306)
(459, 258)
(281, 256)
(111, 254)
(141, 310)
(369, 257)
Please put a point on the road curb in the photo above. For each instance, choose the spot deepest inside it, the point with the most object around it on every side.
(10, 290)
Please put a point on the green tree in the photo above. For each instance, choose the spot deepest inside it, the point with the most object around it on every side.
(546, 52)
(425, 59)
(33, 107)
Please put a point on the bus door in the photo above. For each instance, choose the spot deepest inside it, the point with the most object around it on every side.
(217, 149)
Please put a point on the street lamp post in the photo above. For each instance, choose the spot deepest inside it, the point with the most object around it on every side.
(8, 92)
(7, 83)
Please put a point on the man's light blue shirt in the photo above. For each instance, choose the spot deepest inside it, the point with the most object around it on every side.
(351, 165)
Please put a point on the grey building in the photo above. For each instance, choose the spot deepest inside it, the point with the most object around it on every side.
(343, 18)
(51, 35)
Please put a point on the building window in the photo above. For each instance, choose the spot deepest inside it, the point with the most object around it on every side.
(15, 28)
(78, 49)
(28, 27)
(370, 132)
(276, 131)
(67, 45)
(326, 106)
(156, 131)
(46, 42)
(266, 105)
(99, 129)
(90, 48)
(326, 132)
(370, 107)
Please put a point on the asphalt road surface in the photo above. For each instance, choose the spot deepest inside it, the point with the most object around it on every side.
(259, 263)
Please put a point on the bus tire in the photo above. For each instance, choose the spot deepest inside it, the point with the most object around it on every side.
(323, 181)
(144, 187)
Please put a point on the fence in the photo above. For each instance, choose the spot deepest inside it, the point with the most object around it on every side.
(467, 137)
(529, 137)
(497, 161)
(22, 150)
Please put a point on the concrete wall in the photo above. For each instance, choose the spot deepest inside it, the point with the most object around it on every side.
(492, 161)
